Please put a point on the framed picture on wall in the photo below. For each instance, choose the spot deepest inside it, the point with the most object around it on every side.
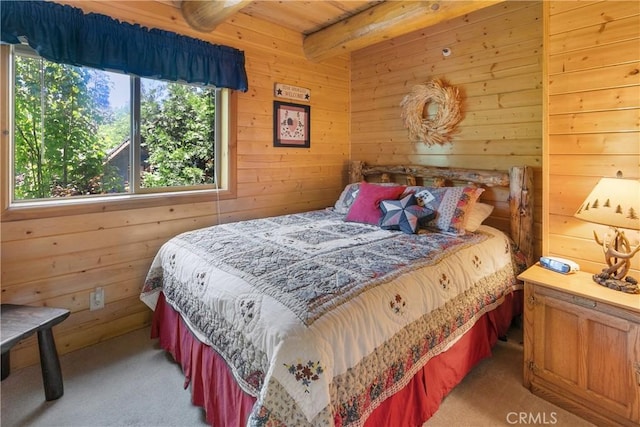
(291, 125)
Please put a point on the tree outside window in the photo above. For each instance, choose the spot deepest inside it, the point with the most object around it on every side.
(71, 140)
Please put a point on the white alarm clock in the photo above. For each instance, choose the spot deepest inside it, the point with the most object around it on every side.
(559, 265)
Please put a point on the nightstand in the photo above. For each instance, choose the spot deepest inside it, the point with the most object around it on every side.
(582, 346)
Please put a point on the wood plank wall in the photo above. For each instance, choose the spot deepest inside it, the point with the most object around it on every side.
(58, 261)
(593, 117)
(496, 62)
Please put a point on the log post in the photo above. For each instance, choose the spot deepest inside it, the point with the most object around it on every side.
(355, 171)
(521, 209)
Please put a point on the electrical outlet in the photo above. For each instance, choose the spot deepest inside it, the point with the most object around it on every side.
(96, 299)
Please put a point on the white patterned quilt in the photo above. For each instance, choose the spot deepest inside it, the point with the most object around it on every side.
(322, 319)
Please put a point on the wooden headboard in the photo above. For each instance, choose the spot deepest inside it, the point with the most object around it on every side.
(510, 192)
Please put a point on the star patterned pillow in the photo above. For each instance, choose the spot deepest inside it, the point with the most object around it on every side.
(404, 214)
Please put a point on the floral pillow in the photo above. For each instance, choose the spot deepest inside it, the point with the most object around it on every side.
(348, 195)
(451, 204)
(404, 214)
(366, 206)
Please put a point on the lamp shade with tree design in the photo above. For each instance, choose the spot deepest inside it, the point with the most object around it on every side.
(614, 202)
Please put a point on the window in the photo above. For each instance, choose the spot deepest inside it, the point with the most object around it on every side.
(84, 133)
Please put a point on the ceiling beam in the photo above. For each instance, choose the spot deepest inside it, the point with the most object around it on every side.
(205, 15)
(384, 21)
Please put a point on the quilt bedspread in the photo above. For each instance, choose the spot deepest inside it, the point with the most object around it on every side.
(322, 319)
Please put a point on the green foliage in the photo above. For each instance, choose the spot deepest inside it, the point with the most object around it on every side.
(58, 109)
(177, 132)
(118, 128)
(65, 131)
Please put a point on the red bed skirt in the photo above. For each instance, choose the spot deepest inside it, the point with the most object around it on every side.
(214, 388)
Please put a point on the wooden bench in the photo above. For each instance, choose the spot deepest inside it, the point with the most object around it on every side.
(21, 321)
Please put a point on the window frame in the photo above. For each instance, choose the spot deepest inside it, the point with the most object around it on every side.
(11, 210)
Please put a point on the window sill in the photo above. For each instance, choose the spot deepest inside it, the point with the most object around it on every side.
(80, 206)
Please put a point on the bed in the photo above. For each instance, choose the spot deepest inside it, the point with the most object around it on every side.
(365, 313)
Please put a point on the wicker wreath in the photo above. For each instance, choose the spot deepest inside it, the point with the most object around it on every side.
(439, 128)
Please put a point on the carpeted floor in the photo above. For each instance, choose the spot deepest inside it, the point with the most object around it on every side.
(129, 381)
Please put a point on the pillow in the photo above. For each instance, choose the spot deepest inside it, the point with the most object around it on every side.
(366, 206)
(349, 194)
(346, 198)
(451, 205)
(404, 214)
(478, 214)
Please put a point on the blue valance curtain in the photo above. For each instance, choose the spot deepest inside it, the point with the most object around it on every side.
(62, 33)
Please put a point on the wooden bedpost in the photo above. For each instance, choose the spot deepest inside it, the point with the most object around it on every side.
(521, 209)
(355, 171)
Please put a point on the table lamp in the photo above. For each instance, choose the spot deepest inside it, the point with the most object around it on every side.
(615, 202)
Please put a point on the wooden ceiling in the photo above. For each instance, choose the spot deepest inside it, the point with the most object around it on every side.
(331, 27)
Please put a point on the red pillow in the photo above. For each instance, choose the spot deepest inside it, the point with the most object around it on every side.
(366, 206)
